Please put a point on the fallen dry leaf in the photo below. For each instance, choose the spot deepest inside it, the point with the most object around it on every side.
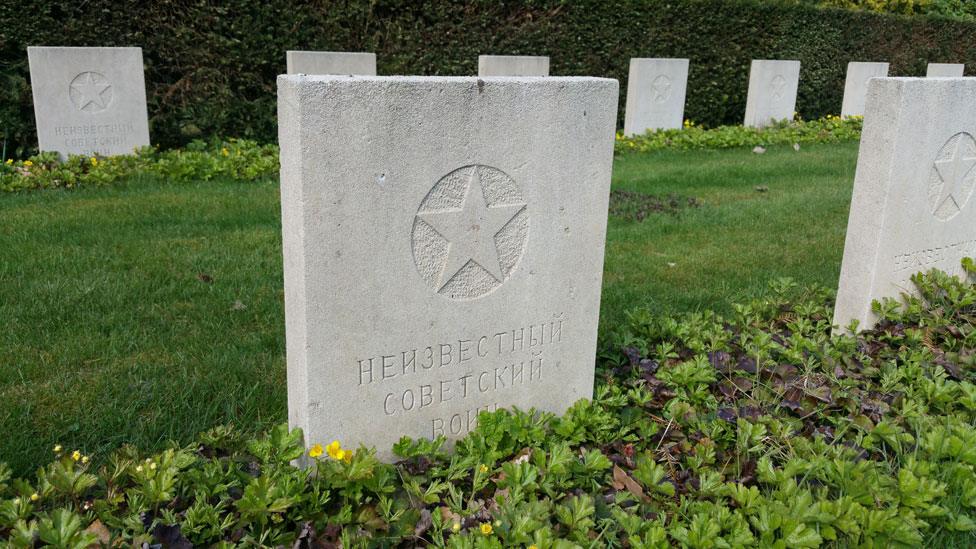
(621, 481)
(100, 531)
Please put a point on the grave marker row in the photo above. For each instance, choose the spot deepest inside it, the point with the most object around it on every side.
(656, 91)
(443, 237)
(93, 100)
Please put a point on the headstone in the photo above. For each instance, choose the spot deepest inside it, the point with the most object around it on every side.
(89, 100)
(856, 86)
(331, 62)
(912, 209)
(772, 91)
(655, 94)
(945, 70)
(443, 245)
(513, 65)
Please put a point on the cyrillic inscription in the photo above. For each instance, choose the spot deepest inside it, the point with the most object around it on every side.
(488, 366)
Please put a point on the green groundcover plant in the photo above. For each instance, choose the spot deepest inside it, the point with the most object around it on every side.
(236, 158)
(831, 129)
(756, 429)
(247, 160)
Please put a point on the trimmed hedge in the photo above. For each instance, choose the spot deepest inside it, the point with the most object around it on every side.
(211, 66)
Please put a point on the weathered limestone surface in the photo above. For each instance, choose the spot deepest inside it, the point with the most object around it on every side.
(89, 100)
(772, 91)
(655, 94)
(912, 208)
(856, 85)
(443, 246)
(513, 65)
(331, 62)
(943, 70)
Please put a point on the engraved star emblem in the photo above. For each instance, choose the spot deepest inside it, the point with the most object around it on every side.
(471, 230)
(778, 86)
(661, 87)
(953, 172)
(90, 92)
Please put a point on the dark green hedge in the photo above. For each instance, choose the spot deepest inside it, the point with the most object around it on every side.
(211, 66)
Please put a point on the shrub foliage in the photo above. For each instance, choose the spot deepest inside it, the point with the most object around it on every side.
(756, 429)
(211, 66)
(831, 129)
(234, 159)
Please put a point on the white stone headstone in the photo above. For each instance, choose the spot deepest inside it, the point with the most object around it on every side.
(912, 208)
(513, 65)
(331, 62)
(655, 94)
(945, 70)
(443, 244)
(772, 91)
(89, 100)
(856, 85)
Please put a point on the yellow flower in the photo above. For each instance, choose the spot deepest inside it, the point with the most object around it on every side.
(336, 452)
(139, 469)
(76, 455)
(94, 161)
(84, 459)
(35, 496)
(485, 528)
(456, 527)
(334, 449)
(10, 161)
(57, 448)
(152, 466)
(533, 546)
(483, 468)
(224, 151)
(28, 163)
(315, 451)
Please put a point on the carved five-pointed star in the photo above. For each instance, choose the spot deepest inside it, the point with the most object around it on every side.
(662, 88)
(953, 172)
(90, 92)
(471, 230)
(778, 84)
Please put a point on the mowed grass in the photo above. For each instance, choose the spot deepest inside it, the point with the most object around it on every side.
(764, 216)
(150, 311)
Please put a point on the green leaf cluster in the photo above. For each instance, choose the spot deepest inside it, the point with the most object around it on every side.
(830, 129)
(757, 429)
(238, 159)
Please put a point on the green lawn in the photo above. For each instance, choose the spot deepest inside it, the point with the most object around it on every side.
(150, 311)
